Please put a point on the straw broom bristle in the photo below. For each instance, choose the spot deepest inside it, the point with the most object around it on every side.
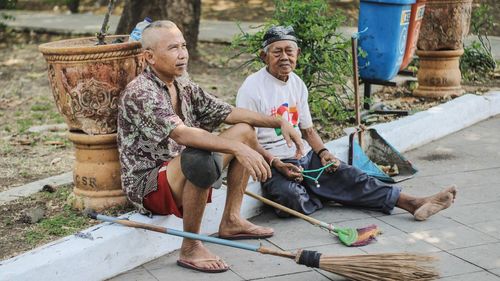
(383, 267)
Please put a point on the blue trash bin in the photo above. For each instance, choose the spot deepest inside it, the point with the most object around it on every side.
(384, 41)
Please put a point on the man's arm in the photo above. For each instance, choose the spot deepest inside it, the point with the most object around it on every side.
(199, 138)
(241, 115)
(314, 140)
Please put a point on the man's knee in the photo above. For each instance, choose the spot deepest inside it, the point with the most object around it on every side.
(246, 132)
(201, 167)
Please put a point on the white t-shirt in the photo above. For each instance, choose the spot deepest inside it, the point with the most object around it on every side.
(264, 93)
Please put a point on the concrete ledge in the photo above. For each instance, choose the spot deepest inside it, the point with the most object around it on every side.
(423, 127)
(34, 187)
(106, 250)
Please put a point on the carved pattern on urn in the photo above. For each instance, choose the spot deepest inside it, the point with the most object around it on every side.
(95, 104)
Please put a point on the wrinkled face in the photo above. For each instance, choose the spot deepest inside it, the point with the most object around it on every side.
(168, 56)
(281, 58)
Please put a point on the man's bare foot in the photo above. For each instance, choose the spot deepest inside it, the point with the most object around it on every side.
(436, 203)
(243, 229)
(195, 255)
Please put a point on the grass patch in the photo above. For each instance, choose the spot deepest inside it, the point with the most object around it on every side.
(24, 124)
(41, 107)
(62, 224)
(59, 220)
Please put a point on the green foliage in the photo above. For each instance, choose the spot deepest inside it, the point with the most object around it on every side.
(62, 224)
(6, 4)
(325, 60)
(65, 222)
(477, 63)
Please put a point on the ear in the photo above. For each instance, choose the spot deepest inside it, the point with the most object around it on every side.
(149, 56)
(263, 56)
(298, 51)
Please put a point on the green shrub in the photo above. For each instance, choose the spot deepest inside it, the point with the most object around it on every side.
(325, 60)
(477, 63)
(6, 4)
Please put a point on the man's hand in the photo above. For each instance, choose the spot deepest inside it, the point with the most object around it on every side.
(327, 158)
(288, 170)
(291, 135)
(254, 162)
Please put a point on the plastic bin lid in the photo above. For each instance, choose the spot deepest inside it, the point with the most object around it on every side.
(395, 2)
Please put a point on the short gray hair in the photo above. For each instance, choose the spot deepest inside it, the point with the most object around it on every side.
(266, 48)
(148, 38)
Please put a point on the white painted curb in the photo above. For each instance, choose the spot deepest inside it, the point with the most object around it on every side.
(114, 249)
(423, 127)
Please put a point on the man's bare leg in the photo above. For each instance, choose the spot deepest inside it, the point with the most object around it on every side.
(193, 200)
(237, 180)
(424, 207)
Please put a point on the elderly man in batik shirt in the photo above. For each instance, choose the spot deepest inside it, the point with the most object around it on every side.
(170, 160)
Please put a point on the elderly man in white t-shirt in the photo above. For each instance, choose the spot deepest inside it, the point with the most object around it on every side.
(276, 90)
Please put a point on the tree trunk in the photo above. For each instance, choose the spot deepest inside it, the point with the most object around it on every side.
(184, 13)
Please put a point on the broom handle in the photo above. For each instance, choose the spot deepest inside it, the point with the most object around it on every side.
(291, 212)
(354, 44)
(194, 236)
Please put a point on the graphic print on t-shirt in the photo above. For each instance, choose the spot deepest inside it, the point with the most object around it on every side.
(291, 114)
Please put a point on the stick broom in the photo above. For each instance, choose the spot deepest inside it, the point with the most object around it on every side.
(348, 236)
(383, 267)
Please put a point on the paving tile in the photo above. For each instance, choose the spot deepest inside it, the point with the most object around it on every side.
(466, 179)
(474, 213)
(252, 265)
(334, 213)
(478, 276)
(448, 159)
(309, 276)
(137, 274)
(174, 272)
(491, 228)
(453, 237)
(162, 261)
(407, 223)
(495, 271)
(478, 194)
(449, 265)
(292, 233)
(399, 243)
(485, 256)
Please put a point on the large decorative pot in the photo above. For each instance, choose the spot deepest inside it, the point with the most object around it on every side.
(445, 25)
(96, 173)
(439, 74)
(86, 79)
(86, 82)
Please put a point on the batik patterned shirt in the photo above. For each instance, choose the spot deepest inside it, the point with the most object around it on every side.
(145, 120)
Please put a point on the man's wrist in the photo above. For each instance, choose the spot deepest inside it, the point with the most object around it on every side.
(273, 160)
(321, 151)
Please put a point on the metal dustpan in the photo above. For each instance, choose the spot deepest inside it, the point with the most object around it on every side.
(378, 158)
(368, 151)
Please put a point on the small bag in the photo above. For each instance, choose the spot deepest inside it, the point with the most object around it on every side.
(378, 158)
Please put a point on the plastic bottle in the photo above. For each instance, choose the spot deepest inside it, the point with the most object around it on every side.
(136, 34)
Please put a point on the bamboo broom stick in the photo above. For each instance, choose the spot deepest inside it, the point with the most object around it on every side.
(384, 267)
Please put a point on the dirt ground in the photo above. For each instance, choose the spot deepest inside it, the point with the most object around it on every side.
(26, 101)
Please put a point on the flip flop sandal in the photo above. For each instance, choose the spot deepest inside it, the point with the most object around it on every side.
(191, 265)
(247, 234)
